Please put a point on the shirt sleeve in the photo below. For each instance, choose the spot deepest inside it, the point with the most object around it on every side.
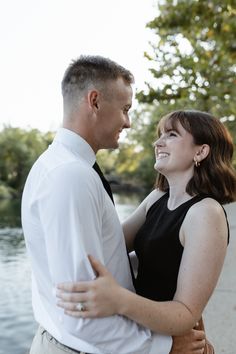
(71, 210)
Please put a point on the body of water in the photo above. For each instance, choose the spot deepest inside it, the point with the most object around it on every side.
(17, 325)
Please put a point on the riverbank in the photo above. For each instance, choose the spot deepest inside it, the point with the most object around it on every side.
(220, 314)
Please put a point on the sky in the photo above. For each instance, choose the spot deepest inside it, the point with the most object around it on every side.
(39, 38)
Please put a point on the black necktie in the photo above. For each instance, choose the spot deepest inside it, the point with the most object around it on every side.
(107, 187)
(105, 183)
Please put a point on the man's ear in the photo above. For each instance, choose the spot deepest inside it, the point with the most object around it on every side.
(202, 153)
(93, 98)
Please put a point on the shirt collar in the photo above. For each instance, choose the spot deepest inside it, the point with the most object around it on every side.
(76, 144)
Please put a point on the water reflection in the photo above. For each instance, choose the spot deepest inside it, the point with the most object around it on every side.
(17, 325)
(126, 203)
(16, 319)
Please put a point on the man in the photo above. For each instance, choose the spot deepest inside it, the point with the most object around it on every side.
(67, 214)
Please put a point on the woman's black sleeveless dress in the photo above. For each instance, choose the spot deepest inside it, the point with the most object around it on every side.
(159, 250)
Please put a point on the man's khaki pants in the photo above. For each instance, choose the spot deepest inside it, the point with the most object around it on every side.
(44, 343)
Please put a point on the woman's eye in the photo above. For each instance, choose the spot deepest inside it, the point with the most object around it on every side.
(172, 134)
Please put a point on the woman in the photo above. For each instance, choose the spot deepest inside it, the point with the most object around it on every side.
(179, 232)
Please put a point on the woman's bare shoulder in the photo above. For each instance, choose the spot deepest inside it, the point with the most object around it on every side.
(206, 212)
(207, 206)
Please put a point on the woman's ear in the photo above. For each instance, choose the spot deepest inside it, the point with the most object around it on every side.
(202, 152)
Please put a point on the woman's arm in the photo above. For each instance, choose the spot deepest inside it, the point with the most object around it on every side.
(204, 234)
(133, 223)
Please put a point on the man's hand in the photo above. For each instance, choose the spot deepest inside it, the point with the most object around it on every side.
(192, 342)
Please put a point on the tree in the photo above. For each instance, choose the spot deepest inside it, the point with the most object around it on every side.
(193, 63)
(18, 151)
(195, 55)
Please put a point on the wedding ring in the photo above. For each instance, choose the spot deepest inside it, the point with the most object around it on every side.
(80, 306)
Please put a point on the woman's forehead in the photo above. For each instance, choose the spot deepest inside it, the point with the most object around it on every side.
(168, 124)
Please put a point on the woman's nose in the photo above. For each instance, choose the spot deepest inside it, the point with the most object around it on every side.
(160, 141)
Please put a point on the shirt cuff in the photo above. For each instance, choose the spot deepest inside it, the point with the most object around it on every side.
(161, 344)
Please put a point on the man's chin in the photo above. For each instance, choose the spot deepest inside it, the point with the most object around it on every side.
(112, 146)
(115, 145)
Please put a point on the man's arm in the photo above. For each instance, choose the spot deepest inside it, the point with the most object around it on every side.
(191, 342)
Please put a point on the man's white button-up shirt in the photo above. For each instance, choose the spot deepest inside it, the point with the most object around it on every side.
(66, 215)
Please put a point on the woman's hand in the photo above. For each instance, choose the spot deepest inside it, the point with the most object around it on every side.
(95, 298)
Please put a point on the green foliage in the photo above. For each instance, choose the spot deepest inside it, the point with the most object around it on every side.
(107, 160)
(193, 63)
(130, 164)
(120, 164)
(194, 56)
(18, 151)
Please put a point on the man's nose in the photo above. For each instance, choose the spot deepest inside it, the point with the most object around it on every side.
(127, 123)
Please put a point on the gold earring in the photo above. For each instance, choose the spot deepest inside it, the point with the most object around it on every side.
(196, 162)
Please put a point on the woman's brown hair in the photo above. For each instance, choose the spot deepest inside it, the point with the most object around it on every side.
(215, 176)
